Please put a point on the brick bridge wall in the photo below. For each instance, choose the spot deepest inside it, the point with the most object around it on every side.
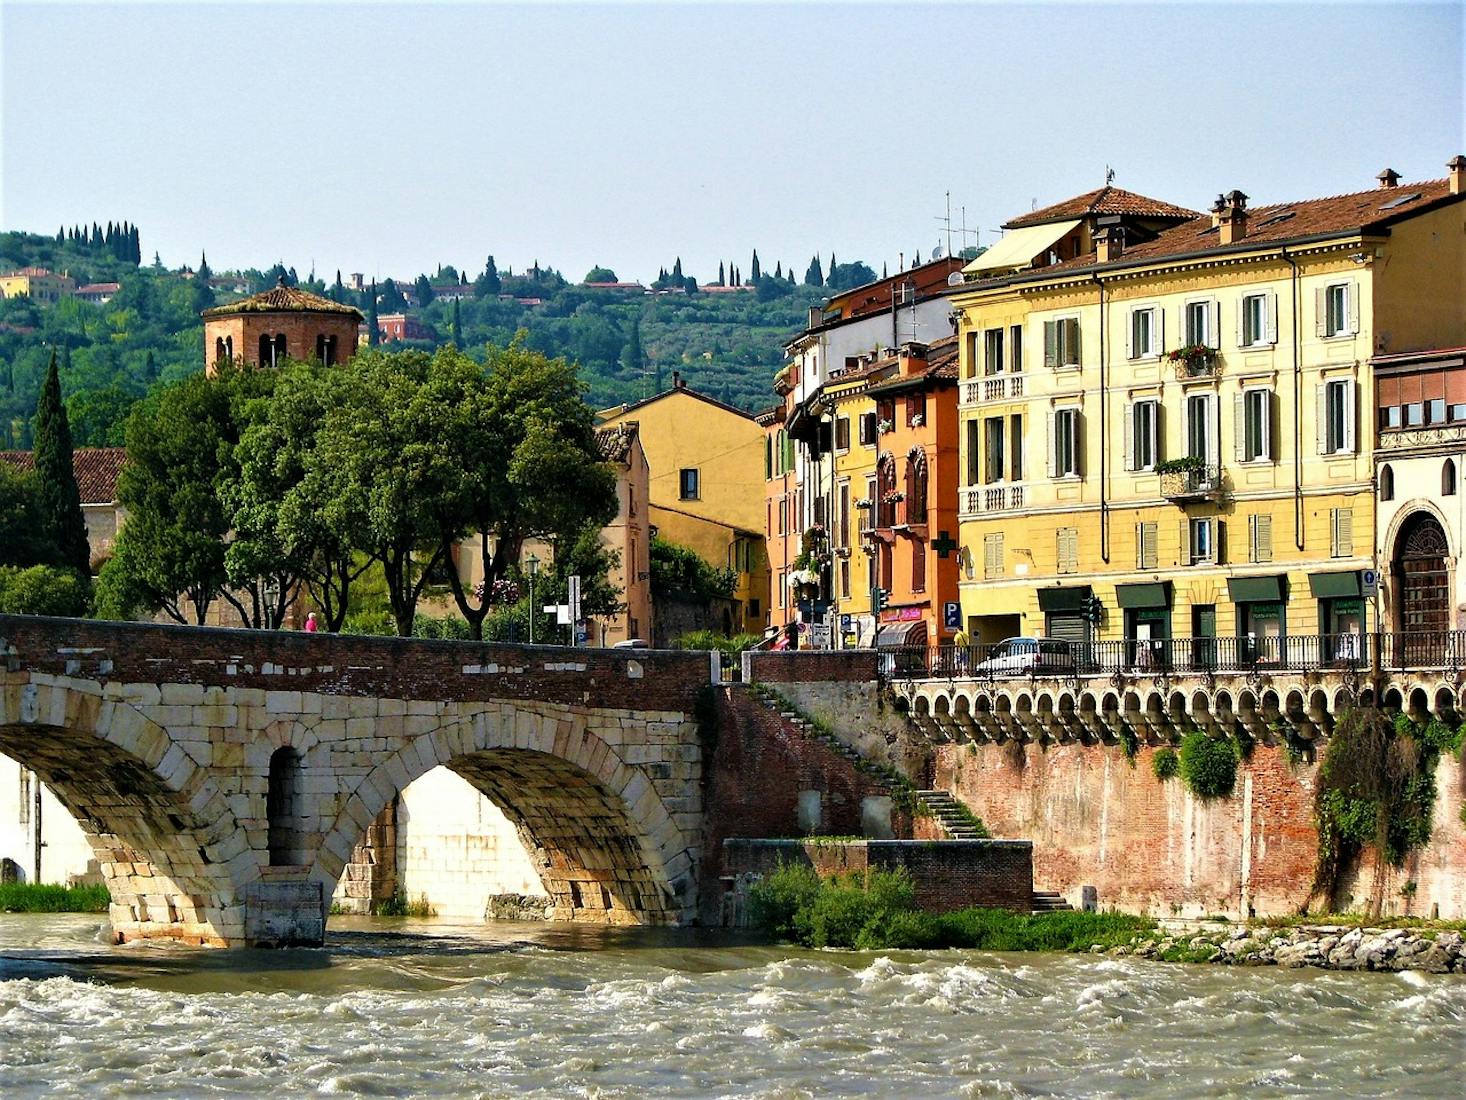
(159, 739)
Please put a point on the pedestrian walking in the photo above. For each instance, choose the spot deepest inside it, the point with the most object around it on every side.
(311, 626)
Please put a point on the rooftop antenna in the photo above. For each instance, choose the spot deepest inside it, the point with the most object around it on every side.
(964, 233)
(1109, 175)
(946, 221)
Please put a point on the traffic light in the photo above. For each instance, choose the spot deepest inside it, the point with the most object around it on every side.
(1093, 611)
(878, 599)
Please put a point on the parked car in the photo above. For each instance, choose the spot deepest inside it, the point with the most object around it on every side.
(1024, 656)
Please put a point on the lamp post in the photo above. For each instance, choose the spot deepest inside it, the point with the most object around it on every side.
(532, 563)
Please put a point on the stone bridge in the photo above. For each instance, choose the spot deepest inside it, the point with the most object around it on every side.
(224, 776)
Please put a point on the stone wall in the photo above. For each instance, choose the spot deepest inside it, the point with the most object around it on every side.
(947, 874)
(1151, 846)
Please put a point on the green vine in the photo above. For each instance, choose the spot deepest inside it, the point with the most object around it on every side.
(1165, 763)
(1129, 743)
(1208, 765)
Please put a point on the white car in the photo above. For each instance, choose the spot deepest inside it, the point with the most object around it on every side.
(1024, 656)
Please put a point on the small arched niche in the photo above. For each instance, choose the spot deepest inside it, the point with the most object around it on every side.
(284, 808)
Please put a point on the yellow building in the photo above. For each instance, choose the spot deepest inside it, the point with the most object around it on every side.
(1163, 413)
(706, 486)
(36, 283)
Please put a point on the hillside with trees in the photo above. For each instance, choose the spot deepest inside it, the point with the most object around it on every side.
(627, 342)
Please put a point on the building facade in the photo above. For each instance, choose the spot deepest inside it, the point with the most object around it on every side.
(1162, 433)
(36, 283)
(706, 489)
(281, 323)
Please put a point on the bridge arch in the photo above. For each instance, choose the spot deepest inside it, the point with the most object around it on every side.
(603, 842)
(171, 848)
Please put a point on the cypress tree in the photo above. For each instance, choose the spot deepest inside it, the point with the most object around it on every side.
(204, 272)
(150, 369)
(753, 267)
(778, 270)
(373, 338)
(813, 275)
(677, 269)
(457, 326)
(632, 359)
(62, 524)
(721, 276)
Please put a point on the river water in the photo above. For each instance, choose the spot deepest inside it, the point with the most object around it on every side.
(415, 1008)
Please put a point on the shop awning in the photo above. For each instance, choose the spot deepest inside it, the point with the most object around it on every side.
(896, 635)
(1019, 248)
(1060, 600)
(1156, 594)
(1326, 586)
(1256, 589)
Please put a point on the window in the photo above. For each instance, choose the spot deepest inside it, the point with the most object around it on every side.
(868, 429)
(845, 578)
(974, 453)
(1414, 415)
(1389, 417)
(915, 406)
(1260, 537)
(687, 481)
(1201, 428)
(1061, 343)
(1458, 413)
(783, 588)
(918, 565)
(1144, 335)
(1386, 483)
(1067, 547)
(916, 481)
(1145, 545)
(1200, 326)
(1143, 444)
(1448, 479)
(1203, 540)
(1257, 321)
(768, 457)
(992, 351)
(973, 341)
(993, 450)
(1435, 410)
(842, 433)
(326, 350)
(843, 535)
(1015, 349)
(1336, 417)
(1341, 532)
(630, 499)
(1064, 443)
(1015, 445)
(1335, 310)
(754, 608)
(992, 556)
(1254, 429)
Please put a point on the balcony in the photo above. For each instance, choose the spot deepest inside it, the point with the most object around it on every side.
(995, 387)
(1182, 484)
(1196, 361)
(1409, 439)
(981, 499)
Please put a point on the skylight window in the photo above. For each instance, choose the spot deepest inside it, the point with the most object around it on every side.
(1282, 217)
(1401, 201)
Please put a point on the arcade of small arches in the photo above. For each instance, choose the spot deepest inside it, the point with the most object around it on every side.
(1265, 709)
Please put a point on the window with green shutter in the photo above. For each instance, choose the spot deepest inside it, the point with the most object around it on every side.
(1342, 525)
(1145, 545)
(1260, 532)
(1067, 539)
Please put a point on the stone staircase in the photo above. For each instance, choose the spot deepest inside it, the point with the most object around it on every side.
(1049, 901)
(953, 817)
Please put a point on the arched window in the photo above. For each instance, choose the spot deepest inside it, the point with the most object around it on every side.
(916, 478)
(326, 349)
(1448, 479)
(1386, 483)
(886, 490)
(219, 354)
(279, 349)
(229, 347)
(267, 351)
(283, 809)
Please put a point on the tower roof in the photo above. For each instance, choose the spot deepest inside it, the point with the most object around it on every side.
(1103, 200)
(282, 299)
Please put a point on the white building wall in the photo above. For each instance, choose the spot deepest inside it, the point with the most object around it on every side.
(457, 848)
(1418, 482)
(65, 853)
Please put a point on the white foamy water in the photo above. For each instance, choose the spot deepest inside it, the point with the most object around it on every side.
(419, 1008)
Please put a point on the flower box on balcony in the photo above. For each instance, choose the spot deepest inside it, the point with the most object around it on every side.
(1194, 361)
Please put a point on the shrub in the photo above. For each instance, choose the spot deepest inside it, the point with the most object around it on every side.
(1165, 764)
(1208, 765)
(776, 898)
(43, 590)
(41, 897)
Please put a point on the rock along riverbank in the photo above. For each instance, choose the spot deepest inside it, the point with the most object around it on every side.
(1327, 946)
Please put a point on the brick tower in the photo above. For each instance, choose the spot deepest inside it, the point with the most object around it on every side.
(282, 322)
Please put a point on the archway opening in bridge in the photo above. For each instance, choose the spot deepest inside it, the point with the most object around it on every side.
(284, 809)
(509, 832)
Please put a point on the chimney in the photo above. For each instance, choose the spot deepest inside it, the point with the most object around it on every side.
(677, 383)
(1457, 166)
(1109, 243)
(1388, 178)
(1233, 225)
(913, 359)
(1216, 211)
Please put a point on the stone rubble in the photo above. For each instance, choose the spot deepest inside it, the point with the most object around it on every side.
(1328, 947)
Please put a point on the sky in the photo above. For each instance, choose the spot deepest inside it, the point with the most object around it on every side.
(390, 138)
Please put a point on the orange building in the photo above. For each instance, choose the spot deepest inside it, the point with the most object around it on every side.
(283, 322)
(781, 507)
(912, 534)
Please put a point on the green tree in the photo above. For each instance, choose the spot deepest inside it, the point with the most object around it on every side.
(42, 590)
(633, 361)
(423, 291)
(814, 275)
(21, 542)
(99, 417)
(721, 275)
(488, 284)
(374, 332)
(457, 326)
(392, 299)
(599, 274)
(62, 523)
(753, 269)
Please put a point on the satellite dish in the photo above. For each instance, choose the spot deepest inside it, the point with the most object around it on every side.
(955, 279)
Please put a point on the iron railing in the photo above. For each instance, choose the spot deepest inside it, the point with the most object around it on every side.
(1408, 651)
(1195, 483)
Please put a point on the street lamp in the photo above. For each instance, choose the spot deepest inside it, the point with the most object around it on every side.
(532, 563)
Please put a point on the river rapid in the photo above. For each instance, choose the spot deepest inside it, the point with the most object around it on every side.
(418, 1008)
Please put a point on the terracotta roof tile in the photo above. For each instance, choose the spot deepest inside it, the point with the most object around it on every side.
(1102, 200)
(96, 470)
(282, 299)
(615, 442)
(1277, 224)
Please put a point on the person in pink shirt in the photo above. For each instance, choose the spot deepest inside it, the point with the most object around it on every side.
(311, 626)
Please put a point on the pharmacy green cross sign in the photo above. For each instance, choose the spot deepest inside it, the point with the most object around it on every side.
(943, 544)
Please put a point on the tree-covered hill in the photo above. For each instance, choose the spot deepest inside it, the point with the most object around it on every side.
(627, 342)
